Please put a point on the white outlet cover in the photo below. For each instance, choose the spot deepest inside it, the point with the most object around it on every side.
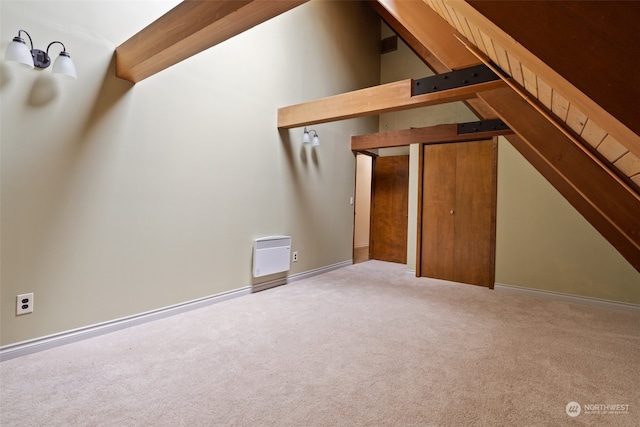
(22, 301)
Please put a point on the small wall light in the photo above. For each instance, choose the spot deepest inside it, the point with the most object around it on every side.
(306, 138)
(17, 51)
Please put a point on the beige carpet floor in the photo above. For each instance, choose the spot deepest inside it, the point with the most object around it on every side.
(364, 345)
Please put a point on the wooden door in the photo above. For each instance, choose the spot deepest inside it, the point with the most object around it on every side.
(458, 212)
(475, 230)
(389, 209)
(439, 184)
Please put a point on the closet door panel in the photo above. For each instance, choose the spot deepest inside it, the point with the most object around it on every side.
(475, 213)
(437, 220)
(458, 212)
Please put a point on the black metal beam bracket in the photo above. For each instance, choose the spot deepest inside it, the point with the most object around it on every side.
(482, 126)
(454, 79)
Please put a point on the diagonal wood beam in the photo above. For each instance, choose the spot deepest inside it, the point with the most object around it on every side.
(426, 33)
(431, 38)
(371, 101)
(601, 36)
(189, 28)
(598, 194)
(616, 97)
(426, 135)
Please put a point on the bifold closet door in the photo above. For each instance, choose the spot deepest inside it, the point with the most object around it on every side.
(458, 212)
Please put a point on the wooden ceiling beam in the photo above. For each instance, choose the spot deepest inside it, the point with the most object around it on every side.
(601, 36)
(431, 38)
(371, 101)
(606, 201)
(426, 33)
(189, 28)
(427, 135)
(615, 94)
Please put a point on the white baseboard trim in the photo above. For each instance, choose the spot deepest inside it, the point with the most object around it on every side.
(23, 348)
(35, 345)
(321, 270)
(299, 276)
(410, 272)
(575, 299)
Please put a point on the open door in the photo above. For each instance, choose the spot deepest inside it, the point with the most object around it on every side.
(390, 209)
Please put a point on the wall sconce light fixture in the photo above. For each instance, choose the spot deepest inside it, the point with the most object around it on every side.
(17, 51)
(306, 138)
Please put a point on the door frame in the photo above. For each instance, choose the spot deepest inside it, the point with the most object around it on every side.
(355, 197)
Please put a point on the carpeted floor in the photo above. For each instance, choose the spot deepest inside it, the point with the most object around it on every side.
(362, 345)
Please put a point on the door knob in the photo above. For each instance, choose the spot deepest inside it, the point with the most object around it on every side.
(451, 212)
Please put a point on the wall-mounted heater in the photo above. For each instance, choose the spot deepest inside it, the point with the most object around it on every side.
(271, 255)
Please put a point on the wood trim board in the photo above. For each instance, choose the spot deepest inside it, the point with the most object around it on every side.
(371, 101)
(427, 135)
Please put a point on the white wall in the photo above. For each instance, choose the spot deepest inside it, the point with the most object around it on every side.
(542, 242)
(117, 198)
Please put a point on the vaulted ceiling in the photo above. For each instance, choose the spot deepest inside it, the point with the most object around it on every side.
(577, 60)
(570, 90)
(555, 57)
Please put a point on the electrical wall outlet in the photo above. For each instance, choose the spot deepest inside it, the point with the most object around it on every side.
(295, 256)
(24, 304)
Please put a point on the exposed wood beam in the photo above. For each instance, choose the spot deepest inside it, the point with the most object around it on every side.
(592, 109)
(601, 36)
(189, 28)
(608, 203)
(426, 135)
(426, 33)
(371, 101)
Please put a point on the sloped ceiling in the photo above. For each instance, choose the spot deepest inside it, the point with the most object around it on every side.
(587, 153)
(578, 59)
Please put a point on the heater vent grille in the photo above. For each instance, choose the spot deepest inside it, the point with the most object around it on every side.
(271, 255)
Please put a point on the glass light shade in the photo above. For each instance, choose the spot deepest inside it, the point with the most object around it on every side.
(306, 139)
(64, 65)
(316, 141)
(17, 51)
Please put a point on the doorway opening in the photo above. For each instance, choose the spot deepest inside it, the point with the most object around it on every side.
(381, 206)
(362, 208)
